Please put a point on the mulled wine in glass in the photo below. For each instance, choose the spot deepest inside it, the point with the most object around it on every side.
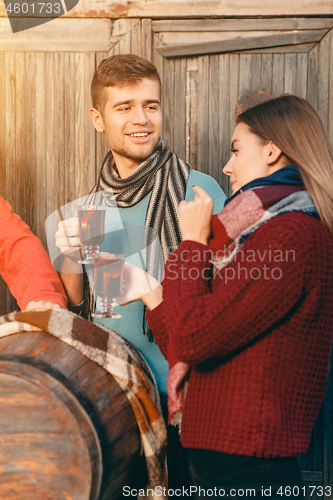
(91, 231)
(108, 275)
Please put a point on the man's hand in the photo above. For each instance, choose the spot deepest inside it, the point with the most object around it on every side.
(139, 285)
(195, 217)
(67, 238)
(41, 304)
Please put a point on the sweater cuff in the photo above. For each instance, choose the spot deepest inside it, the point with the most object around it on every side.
(155, 319)
(75, 308)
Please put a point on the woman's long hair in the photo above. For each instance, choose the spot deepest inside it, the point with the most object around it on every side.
(294, 126)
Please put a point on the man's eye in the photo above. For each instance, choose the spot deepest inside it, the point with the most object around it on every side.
(125, 108)
(152, 108)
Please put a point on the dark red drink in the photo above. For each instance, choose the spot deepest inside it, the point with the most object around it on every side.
(108, 276)
(91, 224)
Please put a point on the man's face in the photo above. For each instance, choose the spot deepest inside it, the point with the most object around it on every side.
(131, 122)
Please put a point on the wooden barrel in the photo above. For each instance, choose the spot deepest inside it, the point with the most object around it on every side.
(67, 430)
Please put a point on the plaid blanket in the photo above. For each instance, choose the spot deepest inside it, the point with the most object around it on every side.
(118, 357)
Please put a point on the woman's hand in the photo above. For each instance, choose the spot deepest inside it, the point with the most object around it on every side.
(195, 217)
(139, 285)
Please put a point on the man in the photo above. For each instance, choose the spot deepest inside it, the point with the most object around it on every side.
(142, 175)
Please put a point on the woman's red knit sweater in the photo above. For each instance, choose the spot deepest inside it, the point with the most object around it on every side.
(24, 263)
(258, 336)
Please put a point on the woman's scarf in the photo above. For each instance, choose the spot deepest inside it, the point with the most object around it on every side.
(246, 212)
(165, 176)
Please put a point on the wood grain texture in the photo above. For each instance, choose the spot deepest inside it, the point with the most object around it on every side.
(158, 59)
(256, 71)
(213, 120)
(240, 44)
(192, 112)
(224, 121)
(146, 34)
(30, 178)
(69, 126)
(203, 113)
(171, 9)
(135, 30)
(290, 73)
(41, 145)
(330, 104)
(313, 76)
(301, 75)
(278, 75)
(324, 72)
(168, 103)
(61, 35)
(179, 109)
(284, 49)
(44, 434)
(240, 25)
(234, 93)
(245, 61)
(101, 143)
(266, 73)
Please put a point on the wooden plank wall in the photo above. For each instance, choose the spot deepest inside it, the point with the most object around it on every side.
(48, 139)
(213, 83)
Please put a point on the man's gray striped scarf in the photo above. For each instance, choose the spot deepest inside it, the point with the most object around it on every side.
(165, 175)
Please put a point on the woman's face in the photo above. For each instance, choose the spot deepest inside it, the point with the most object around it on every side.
(250, 158)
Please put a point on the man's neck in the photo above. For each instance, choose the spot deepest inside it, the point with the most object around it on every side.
(125, 166)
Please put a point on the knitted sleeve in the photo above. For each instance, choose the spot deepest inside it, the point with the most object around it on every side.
(24, 263)
(243, 301)
(157, 325)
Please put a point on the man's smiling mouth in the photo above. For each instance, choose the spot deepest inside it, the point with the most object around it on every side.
(139, 134)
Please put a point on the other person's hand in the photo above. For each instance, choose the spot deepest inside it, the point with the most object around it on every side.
(139, 285)
(67, 238)
(195, 217)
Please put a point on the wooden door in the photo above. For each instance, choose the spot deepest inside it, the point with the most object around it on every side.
(206, 65)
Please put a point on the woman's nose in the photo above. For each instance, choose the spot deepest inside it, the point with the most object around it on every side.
(227, 169)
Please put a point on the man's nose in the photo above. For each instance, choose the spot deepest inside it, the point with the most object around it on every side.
(139, 116)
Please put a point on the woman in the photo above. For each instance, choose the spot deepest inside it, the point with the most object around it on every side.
(255, 327)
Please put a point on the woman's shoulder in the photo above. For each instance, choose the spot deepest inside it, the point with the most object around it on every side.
(296, 230)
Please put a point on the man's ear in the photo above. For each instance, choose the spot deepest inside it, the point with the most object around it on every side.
(97, 119)
(272, 153)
